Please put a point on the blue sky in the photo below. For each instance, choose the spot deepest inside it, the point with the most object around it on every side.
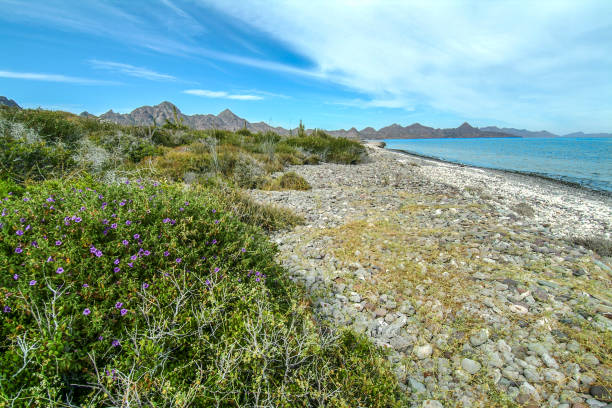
(333, 64)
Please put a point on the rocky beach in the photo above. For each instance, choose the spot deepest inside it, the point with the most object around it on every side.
(487, 287)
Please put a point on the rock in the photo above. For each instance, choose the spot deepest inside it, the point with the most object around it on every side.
(380, 312)
(529, 390)
(480, 337)
(510, 373)
(470, 366)
(600, 392)
(431, 404)
(480, 276)
(553, 376)
(401, 343)
(580, 405)
(423, 352)
(495, 360)
(416, 386)
(354, 297)
(407, 308)
(531, 374)
(590, 359)
(549, 361)
(518, 309)
(540, 295)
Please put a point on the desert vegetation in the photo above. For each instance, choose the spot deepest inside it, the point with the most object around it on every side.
(135, 272)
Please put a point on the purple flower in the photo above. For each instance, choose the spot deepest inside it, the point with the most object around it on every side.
(181, 209)
(115, 343)
(82, 208)
(58, 243)
(257, 279)
(35, 244)
(59, 270)
(98, 253)
(166, 253)
(243, 250)
(216, 221)
(18, 250)
(19, 232)
(166, 220)
(116, 262)
(125, 242)
(214, 211)
(128, 222)
(147, 253)
(118, 305)
(86, 311)
(78, 219)
(27, 228)
(114, 225)
(15, 276)
(6, 309)
(100, 338)
(217, 270)
(136, 236)
(131, 264)
(172, 222)
(207, 282)
(178, 260)
(123, 312)
(134, 257)
(145, 285)
(50, 200)
(50, 259)
(100, 196)
(116, 269)
(122, 203)
(32, 282)
(85, 285)
(105, 221)
(26, 199)
(214, 241)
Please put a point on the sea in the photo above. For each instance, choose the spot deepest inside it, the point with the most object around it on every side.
(580, 160)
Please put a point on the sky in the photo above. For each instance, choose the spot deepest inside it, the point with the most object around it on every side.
(333, 64)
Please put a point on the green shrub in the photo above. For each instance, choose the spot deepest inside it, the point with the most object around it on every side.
(329, 149)
(148, 295)
(289, 181)
(52, 126)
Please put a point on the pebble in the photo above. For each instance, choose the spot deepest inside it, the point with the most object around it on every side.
(470, 365)
(423, 352)
(432, 404)
(480, 337)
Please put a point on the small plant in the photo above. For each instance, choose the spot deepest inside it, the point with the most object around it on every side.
(289, 181)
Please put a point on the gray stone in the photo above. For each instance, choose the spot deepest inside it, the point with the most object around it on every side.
(531, 374)
(416, 386)
(422, 352)
(480, 337)
(549, 361)
(354, 297)
(510, 373)
(553, 376)
(470, 365)
(590, 359)
(431, 404)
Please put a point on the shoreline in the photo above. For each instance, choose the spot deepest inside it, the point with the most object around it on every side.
(441, 265)
(565, 183)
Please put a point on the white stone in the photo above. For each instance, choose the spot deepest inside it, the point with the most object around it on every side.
(423, 352)
(470, 365)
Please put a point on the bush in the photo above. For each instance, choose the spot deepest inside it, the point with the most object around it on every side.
(289, 181)
(52, 126)
(330, 149)
(140, 294)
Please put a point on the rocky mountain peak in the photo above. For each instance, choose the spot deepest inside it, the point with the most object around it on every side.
(8, 102)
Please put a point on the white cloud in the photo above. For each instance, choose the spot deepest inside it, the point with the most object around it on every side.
(474, 58)
(131, 70)
(222, 94)
(32, 76)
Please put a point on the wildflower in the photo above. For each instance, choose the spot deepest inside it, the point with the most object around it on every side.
(32, 282)
(82, 208)
(166, 220)
(26, 199)
(131, 264)
(123, 312)
(257, 279)
(122, 203)
(172, 222)
(116, 261)
(59, 270)
(181, 209)
(147, 253)
(145, 285)
(85, 285)
(78, 219)
(15, 276)
(214, 241)
(125, 242)
(207, 282)
(118, 305)
(18, 250)
(100, 196)
(50, 259)
(19, 232)
(27, 228)
(7, 309)
(115, 343)
(178, 260)
(86, 311)
(214, 211)
(166, 253)
(50, 200)
(136, 236)
(104, 221)
(58, 243)
(134, 257)
(216, 221)
(128, 222)
(114, 225)
(34, 244)
(100, 338)
(216, 270)
(116, 269)
(243, 250)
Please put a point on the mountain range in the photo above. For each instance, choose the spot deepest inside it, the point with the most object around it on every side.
(227, 120)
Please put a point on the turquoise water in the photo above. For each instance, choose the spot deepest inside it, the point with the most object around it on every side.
(585, 161)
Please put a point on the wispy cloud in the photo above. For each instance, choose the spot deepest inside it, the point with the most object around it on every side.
(470, 58)
(131, 70)
(222, 94)
(32, 76)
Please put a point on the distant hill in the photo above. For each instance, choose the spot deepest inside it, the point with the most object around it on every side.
(519, 132)
(582, 134)
(159, 114)
(418, 131)
(8, 102)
